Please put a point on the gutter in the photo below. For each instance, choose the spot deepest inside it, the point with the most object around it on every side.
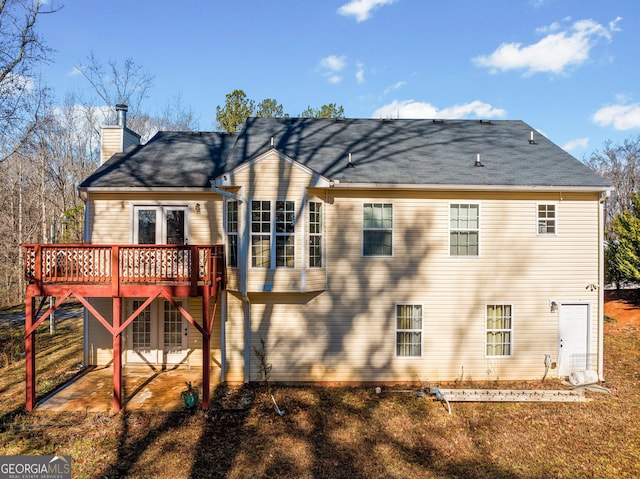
(244, 271)
(335, 184)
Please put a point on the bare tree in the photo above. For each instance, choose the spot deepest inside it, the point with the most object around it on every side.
(620, 164)
(21, 96)
(128, 83)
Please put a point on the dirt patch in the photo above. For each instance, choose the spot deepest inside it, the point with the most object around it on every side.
(622, 311)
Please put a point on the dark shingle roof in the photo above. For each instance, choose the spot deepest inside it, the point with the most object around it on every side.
(410, 152)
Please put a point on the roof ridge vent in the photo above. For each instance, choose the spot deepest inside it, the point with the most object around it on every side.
(486, 122)
(438, 121)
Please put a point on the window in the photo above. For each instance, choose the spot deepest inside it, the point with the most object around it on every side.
(499, 326)
(408, 330)
(315, 234)
(464, 229)
(546, 219)
(280, 224)
(285, 239)
(260, 234)
(377, 229)
(232, 234)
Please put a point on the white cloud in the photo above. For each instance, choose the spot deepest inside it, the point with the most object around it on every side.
(398, 85)
(15, 84)
(577, 144)
(622, 117)
(416, 109)
(333, 63)
(361, 9)
(360, 73)
(555, 53)
(331, 66)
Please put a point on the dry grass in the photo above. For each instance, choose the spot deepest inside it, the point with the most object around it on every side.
(354, 432)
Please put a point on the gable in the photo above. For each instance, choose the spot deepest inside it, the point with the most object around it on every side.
(273, 174)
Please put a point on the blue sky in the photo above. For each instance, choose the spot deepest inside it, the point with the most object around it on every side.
(569, 68)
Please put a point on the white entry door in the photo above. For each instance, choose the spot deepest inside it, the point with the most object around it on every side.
(573, 347)
(159, 335)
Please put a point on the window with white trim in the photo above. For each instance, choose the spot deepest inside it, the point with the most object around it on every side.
(377, 229)
(273, 234)
(546, 219)
(315, 234)
(409, 330)
(285, 238)
(499, 330)
(232, 233)
(464, 229)
(261, 234)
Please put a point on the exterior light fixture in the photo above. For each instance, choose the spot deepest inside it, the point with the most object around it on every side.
(198, 208)
(553, 306)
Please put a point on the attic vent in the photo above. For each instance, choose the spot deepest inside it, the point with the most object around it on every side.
(478, 163)
(438, 122)
(531, 140)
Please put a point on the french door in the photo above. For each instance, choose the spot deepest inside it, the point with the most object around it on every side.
(160, 224)
(158, 335)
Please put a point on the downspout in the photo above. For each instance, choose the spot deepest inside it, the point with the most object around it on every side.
(86, 238)
(244, 270)
(601, 266)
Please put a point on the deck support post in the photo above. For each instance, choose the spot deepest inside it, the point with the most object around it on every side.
(117, 354)
(206, 348)
(30, 353)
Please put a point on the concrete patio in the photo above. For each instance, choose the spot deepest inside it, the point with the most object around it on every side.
(144, 389)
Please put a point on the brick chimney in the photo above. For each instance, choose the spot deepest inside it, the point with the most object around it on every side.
(117, 138)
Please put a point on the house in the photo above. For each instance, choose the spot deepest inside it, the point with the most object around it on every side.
(360, 250)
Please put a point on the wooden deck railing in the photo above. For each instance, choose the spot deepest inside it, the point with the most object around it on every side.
(138, 264)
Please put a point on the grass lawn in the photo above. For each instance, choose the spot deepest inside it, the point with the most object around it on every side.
(342, 432)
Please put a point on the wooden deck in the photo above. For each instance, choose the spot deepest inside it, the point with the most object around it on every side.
(84, 271)
(121, 270)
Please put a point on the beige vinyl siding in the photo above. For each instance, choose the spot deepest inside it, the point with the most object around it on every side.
(111, 215)
(195, 337)
(347, 333)
(100, 346)
(234, 334)
(111, 142)
(290, 183)
(115, 139)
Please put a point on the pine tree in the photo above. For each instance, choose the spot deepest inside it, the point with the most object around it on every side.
(625, 250)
